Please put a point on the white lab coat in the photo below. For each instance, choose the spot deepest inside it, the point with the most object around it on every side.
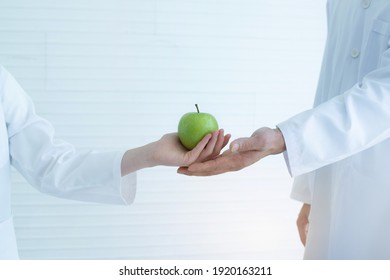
(51, 165)
(341, 148)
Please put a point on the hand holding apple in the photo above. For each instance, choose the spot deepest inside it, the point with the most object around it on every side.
(199, 133)
(194, 126)
(169, 151)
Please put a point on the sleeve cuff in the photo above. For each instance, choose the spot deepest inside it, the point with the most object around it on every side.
(292, 155)
(127, 184)
(301, 188)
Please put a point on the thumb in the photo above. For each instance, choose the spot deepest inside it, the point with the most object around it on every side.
(243, 144)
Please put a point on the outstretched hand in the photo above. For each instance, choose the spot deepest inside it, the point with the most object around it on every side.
(170, 152)
(242, 153)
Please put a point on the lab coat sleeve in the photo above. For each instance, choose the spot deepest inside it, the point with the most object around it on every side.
(54, 166)
(343, 126)
(301, 189)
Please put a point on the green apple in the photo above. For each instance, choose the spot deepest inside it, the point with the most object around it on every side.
(194, 126)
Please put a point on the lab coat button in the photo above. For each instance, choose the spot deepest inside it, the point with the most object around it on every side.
(366, 4)
(355, 53)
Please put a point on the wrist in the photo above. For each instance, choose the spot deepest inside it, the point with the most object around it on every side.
(279, 145)
(138, 158)
(153, 158)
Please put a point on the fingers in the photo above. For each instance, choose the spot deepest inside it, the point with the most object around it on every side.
(211, 145)
(219, 144)
(226, 162)
(243, 144)
(302, 230)
(208, 148)
(303, 223)
(198, 150)
(226, 140)
(207, 168)
(214, 146)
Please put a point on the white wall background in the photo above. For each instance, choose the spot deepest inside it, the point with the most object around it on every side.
(113, 74)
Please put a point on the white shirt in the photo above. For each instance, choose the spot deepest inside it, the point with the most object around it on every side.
(342, 145)
(51, 165)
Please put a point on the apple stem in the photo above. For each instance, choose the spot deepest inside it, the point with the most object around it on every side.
(197, 109)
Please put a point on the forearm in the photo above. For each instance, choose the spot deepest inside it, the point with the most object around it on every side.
(138, 158)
